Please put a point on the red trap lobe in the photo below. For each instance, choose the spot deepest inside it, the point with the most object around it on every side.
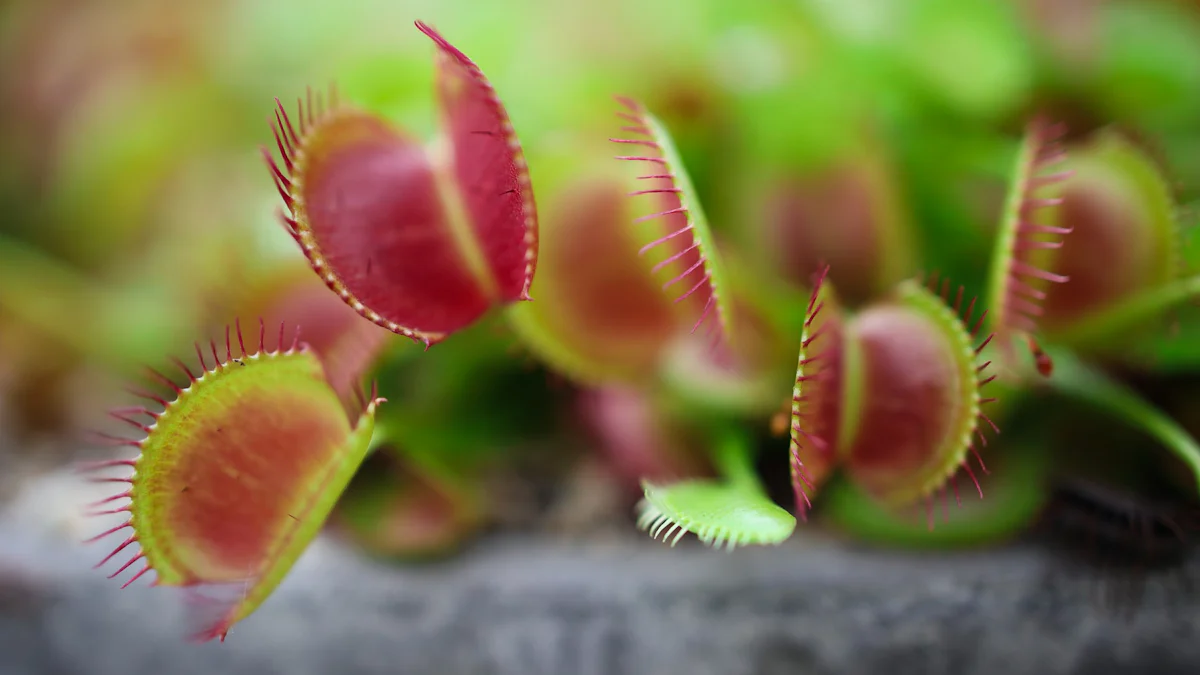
(422, 239)
(490, 168)
(235, 476)
(892, 394)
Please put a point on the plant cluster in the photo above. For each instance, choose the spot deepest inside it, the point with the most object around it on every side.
(688, 353)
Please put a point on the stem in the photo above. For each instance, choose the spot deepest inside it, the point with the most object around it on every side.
(1130, 313)
(732, 454)
(1075, 378)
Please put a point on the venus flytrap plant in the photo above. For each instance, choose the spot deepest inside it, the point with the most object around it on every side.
(603, 318)
(728, 366)
(922, 401)
(1125, 257)
(847, 214)
(731, 511)
(1018, 280)
(734, 511)
(891, 394)
(419, 239)
(687, 246)
(423, 239)
(600, 317)
(235, 476)
(823, 373)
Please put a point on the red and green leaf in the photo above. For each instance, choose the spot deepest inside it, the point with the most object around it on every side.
(489, 165)
(1124, 257)
(818, 398)
(920, 395)
(235, 476)
(1019, 279)
(599, 318)
(421, 239)
(686, 246)
(848, 216)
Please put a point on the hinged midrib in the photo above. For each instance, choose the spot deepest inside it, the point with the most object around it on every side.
(458, 219)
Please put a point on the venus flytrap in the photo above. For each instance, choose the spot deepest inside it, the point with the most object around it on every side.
(921, 415)
(908, 416)
(1018, 282)
(236, 474)
(242, 468)
(728, 365)
(891, 395)
(847, 214)
(624, 305)
(1118, 273)
(421, 239)
(686, 247)
(600, 318)
(1125, 256)
(731, 511)
(735, 510)
(827, 374)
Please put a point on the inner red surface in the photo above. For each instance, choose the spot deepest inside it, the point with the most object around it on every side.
(911, 398)
(246, 462)
(1104, 255)
(826, 219)
(374, 209)
(605, 301)
(485, 164)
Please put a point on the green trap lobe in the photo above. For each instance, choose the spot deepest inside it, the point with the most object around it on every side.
(237, 475)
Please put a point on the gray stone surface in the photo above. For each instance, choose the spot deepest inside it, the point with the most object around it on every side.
(541, 607)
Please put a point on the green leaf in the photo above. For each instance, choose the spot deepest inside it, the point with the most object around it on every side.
(734, 512)
(236, 476)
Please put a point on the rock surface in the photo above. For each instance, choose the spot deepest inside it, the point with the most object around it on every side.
(536, 607)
